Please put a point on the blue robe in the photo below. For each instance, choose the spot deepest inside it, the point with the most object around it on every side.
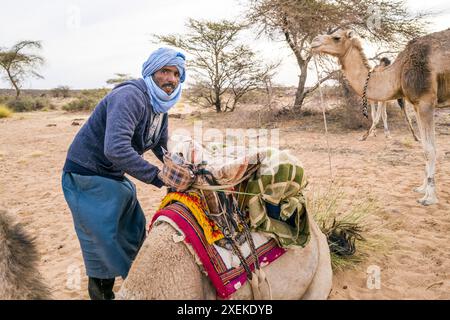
(108, 220)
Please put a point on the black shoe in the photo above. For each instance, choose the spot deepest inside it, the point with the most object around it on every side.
(101, 289)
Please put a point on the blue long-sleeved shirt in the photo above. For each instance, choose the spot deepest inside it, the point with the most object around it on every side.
(116, 135)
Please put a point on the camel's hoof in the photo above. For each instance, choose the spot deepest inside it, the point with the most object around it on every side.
(388, 136)
(362, 139)
(427, 202)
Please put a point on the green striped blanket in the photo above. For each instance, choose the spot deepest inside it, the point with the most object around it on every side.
(279, 182)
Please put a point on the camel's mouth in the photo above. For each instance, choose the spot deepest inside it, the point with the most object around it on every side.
(315, 45)
(315, 48)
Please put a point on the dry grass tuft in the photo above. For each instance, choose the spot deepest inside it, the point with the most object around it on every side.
(347, 222)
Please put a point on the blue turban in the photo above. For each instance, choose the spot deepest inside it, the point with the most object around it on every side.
(162, 57)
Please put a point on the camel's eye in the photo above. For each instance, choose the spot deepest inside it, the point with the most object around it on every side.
(336, 39)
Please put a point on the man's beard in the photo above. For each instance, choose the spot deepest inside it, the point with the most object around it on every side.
(168, 85)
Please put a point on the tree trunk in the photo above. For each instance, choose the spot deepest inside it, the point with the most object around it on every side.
(16, 87)
(217, 102)
(300, 94)
(17, 90)
(218, 106)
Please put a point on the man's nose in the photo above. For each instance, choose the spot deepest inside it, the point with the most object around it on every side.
(171, 78)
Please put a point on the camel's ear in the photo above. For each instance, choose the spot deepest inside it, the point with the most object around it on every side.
(350, 34)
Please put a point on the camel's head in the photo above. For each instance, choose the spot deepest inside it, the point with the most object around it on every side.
(335, 43)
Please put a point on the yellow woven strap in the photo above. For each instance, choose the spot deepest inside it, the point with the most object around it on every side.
(193, 202)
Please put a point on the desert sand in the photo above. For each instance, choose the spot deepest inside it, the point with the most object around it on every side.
(416, 264)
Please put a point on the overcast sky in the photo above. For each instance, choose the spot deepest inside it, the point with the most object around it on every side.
(85, 42)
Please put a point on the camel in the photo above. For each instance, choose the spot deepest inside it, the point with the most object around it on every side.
(421, 74)
(378, 110)
(19, 277)
(166, 268)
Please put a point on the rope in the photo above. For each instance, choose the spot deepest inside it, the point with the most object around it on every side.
(237, 192)
(324, 119)
(364, 97)
(229, 205)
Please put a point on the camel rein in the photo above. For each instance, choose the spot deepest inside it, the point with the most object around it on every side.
(228, 205)
(324, 121)
(364, 97)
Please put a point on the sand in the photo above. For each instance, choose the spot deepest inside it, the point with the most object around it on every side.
(415, 266)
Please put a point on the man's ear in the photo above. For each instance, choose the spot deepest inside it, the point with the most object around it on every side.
(350, 34)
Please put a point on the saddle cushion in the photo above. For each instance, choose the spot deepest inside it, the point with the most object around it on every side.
(224, 270)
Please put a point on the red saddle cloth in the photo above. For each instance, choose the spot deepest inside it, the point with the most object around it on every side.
(226, 280)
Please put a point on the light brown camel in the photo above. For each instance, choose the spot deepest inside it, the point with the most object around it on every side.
(378, 110)
(166, 268)
(421, 74)
(19, 277)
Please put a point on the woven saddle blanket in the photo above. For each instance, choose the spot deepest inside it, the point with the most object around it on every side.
(222, 266)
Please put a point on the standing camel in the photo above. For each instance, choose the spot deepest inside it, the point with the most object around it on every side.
(421, 74)
(378, 109)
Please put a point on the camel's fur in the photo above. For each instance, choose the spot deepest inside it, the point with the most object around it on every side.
(378, 109)
(166, 269)
(421, 74)
(19, 277)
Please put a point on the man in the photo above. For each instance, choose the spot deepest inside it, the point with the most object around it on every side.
(129, 121)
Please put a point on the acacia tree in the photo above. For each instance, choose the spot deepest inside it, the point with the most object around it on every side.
(224, 69)
(17, 64)
(298, 22)
(120, 77)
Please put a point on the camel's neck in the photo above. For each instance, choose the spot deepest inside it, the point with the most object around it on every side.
(383, 85)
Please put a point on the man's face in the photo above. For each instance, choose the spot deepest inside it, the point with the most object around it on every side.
(167, 78)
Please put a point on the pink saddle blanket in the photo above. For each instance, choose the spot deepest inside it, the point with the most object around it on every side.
(225, 278)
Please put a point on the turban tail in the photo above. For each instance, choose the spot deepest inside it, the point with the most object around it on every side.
(161, 101)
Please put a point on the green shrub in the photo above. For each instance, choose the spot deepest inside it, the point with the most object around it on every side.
(97, 94)
(4, 99)
(81, 104)
(5, 112)
(26, 104)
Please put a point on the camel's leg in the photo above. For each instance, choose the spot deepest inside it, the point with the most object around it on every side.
(425, 112)
(408, 120)
(383, 113)
(375, 119)
(373, 129)
(423, 187)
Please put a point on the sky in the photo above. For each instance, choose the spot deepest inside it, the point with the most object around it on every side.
(85, 42)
